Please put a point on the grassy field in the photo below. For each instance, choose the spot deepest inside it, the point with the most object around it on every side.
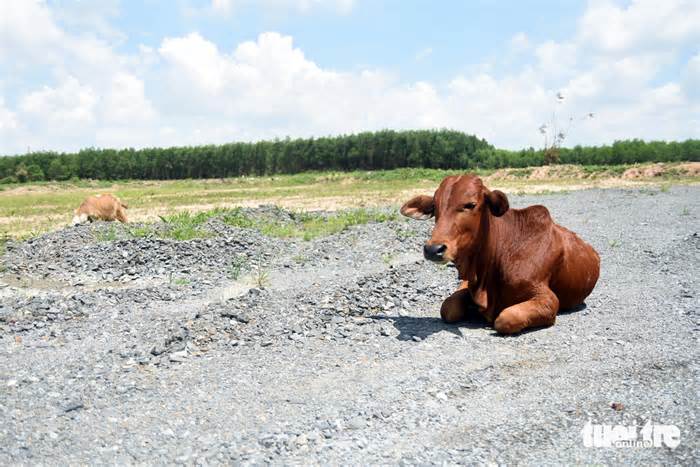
(30, 209)
(301, 224)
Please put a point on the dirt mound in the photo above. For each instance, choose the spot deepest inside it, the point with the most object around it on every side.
(545, 172)
(688, 169)
(691, 169)
(578, 172)
(655, 170)
(557, 171)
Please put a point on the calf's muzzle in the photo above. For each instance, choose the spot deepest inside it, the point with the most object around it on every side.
(434, 252)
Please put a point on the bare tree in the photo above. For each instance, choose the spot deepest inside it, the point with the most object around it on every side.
(554, 134)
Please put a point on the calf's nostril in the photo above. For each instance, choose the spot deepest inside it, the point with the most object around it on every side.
(434, 251)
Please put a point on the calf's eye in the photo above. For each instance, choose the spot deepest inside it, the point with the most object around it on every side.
(468, 206)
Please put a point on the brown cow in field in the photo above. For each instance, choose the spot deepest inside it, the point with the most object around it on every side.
(101, 208)
(518, 268)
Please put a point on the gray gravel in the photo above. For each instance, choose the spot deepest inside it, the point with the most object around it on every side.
(332, 351)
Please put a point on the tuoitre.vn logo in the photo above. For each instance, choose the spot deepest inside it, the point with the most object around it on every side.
(630, 436)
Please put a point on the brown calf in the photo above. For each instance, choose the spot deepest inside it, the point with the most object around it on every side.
(101, 207)
(518, 268)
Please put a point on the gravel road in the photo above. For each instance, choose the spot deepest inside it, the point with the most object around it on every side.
(332, 351)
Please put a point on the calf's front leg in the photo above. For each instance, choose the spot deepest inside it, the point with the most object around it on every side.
(539, 311)
(459, 306)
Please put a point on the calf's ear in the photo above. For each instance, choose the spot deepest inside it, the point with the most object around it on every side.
(497, 201)
(421, 207)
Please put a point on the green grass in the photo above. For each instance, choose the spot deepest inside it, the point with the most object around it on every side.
(185, 226)
(387, 258)
(306, 225)
(300, 259)
(261, 278)
(403, 234)
(180, 281)
(236, 217)
(614, 170)
(141, 231)
(237, 266)
(106, 235)
(411, 174)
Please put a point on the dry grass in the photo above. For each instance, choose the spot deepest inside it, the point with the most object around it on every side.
(26, 210)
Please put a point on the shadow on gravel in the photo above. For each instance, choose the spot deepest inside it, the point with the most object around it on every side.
(575, 309)
(567, 311)
(410, 327)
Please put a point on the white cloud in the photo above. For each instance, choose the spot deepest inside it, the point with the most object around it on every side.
(81, 73)
(71, 104)
(270, 82)
(8, 119)
(690, 77)
(27, 32)
(197, 58)
(556, 58)
(126, 101)
(31, 37)
(647, 23)
(506, 110)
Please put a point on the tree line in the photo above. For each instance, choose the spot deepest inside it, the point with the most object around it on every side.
(439, 149)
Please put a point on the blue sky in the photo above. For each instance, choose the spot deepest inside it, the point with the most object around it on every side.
(419, 39)
(111, 73)
(378, 34)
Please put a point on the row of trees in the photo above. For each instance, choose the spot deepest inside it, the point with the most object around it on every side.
(387, 149)
(364, 151)
(621, 152)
